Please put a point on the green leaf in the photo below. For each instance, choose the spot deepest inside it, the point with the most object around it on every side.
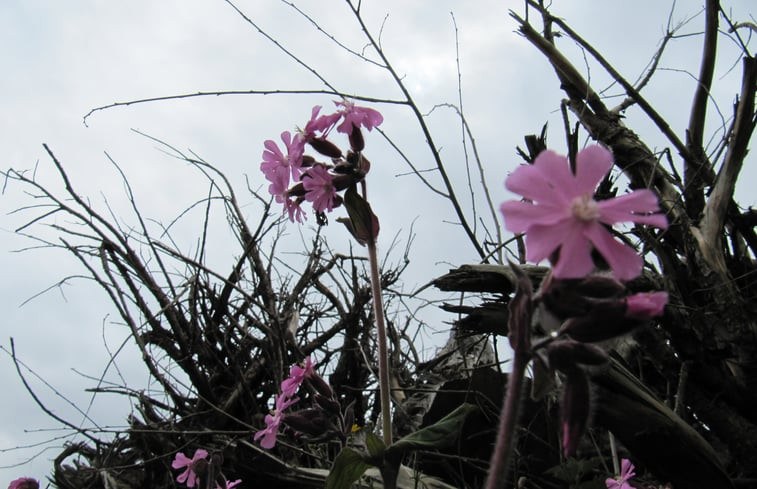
(365, 225)
(375, 445)
(348, 467)
(440, 434)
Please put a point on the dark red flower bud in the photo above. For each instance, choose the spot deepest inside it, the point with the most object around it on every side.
(325, 147)
(357, 142)
(566, 355)
(576, 406)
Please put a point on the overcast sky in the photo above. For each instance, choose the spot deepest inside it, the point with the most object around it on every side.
(61, 59)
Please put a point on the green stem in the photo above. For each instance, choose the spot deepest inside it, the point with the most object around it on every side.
(508, 422)
(383, 354)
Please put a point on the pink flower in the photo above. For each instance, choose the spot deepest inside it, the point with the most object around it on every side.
(357, 116)
(562, 213)
(277, 167)
(319, 188)
(293, 209)
(272, 422)
(229, 484)
(626, 473)
(297, 375)
(24, 483)
(646, 305)
(319, 123)
(183, 462)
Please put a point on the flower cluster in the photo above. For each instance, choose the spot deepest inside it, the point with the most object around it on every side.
(296, 177)
(563, 222)
(197, 467)
(324, 420)
(289, 387)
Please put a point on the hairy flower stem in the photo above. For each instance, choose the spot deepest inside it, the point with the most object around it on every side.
(508, 422)
(383, 354)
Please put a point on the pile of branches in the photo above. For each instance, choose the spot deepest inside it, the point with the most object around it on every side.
(217, 344)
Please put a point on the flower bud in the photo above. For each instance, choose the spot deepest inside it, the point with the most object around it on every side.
(646, 305)
(312, 422)
(520, 311)
(325, 147)
(576, 406)
(357, 142)
(607, 319)
(565, 355)
(320, 385)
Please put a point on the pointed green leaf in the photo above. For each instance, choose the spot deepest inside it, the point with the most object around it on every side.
(348, 467)
(375, 445)
(440, 434)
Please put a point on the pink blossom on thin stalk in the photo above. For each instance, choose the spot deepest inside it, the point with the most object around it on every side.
(626, 473)
(319, 188)
(24, 483)
(561, 213)
(277, 167)
(353, 115)
(229, 484)
(267, 436)
(189, 464)
(297, 375)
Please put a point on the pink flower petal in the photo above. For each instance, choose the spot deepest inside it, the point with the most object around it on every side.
(575, 255)
(542, 241)
(623, 260)
(633, 207)
(519, 216)
(592, 164)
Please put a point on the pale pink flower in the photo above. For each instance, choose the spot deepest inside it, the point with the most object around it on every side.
(646, 305)
(277, 167)
(268, 435)
(229, 484)
(626, 473)
(183, 462)
(297, 375)
(319, 188)
(24, 483)
(562, 213)
(353, 115)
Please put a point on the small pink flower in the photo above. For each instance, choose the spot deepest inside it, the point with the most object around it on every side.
(272, 422)
(229, 484)
(24, 483)
(293, 209)
(319, 123)
(183, 462)
(357, 116)
(319, 188)
(646, 305)
(562, 213)
(626, 473)
(279, 168)
(297, 375)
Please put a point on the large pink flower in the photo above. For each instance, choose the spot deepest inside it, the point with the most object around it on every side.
(188, 464)
(357, 116)
(562, 213)
(319, 188)
(626, 473)
(297, 375)
(277, 167)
